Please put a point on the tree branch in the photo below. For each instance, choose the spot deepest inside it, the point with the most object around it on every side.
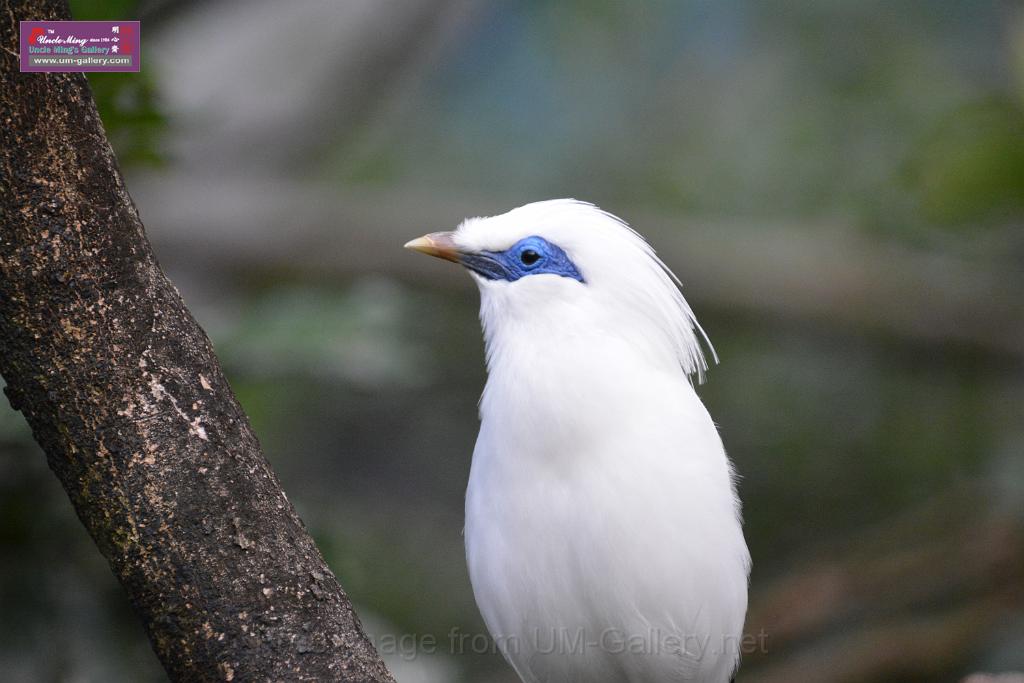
(123, 392)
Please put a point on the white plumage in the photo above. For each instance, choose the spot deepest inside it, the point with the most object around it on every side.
(603, 531)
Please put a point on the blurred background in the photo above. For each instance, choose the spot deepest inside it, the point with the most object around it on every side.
(839, 184)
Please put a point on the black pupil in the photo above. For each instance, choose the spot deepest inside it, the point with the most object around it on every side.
(529, 257)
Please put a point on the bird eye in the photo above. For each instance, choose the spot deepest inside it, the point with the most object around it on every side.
(529, 257)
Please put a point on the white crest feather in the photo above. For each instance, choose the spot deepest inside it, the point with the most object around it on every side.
(611, 256)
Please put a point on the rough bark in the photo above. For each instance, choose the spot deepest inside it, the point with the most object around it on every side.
(123, 392)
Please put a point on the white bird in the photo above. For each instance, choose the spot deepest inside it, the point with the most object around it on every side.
(603, 531)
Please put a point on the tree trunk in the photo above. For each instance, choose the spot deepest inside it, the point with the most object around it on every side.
(123, 392)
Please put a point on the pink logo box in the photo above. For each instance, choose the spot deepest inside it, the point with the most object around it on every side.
(62, 46)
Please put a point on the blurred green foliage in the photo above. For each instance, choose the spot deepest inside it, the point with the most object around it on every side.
(902, 119)
(359, 337)
(127, 102)
(969, 169)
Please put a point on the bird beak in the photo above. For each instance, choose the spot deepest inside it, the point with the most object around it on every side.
(439, 244)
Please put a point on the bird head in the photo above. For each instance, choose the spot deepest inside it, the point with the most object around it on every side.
(562, 269)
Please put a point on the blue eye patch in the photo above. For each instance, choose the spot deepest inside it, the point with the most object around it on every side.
(529, 256)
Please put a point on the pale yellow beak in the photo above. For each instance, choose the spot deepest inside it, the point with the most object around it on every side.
(439, 244)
